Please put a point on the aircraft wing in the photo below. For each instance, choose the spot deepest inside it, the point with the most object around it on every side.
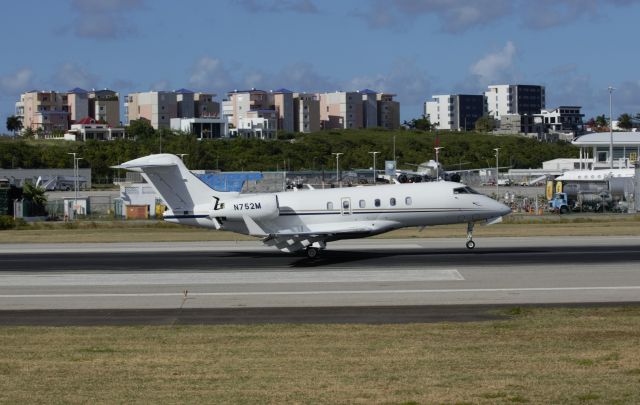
(291, 240)
(294, 241)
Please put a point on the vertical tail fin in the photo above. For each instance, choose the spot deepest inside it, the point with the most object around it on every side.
(178, 187)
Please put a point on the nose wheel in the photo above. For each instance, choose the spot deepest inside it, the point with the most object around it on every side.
(470, 243)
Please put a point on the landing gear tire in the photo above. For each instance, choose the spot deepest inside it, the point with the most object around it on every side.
(312, 252)
(470, 243)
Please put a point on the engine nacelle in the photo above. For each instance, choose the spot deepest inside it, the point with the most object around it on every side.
(256, 207)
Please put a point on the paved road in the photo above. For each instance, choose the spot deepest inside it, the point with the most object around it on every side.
(355, 274)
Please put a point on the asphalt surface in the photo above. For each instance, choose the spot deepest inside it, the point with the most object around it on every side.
(370, 281)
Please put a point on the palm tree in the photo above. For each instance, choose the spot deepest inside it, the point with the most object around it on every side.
(14, 124)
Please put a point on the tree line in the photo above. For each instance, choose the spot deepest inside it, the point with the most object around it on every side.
(289, 152)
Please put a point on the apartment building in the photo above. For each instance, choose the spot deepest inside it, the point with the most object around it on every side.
(388, 111)
(43, 110)
(455, 112)
(306, 113)
(78, 102)
(185, 103)
(522, 99)
(241, 102)
(341, 110)
(283, 105)
(369, 108)
(104, 106)
(157, 107)
(204, 106)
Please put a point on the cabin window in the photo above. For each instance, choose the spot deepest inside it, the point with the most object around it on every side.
(392, 202)
(362, 204)
(329, 206)
(345, 204)
(407, 201)
(376, 202)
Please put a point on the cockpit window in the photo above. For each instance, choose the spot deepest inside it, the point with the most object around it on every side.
(464, 190)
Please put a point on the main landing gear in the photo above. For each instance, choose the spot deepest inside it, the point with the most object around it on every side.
(470, 243)
(312, 252)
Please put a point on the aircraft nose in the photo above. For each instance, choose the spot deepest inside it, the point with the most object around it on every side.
(502, 209)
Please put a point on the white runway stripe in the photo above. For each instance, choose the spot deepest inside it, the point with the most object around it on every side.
(328, 292)
(236, 277)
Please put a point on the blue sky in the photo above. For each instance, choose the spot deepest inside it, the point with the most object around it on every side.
(414, 48)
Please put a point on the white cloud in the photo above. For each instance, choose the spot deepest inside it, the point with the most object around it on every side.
(495, 66)
(102, 19)
(210, 74)
(17, 82)
(71, 75)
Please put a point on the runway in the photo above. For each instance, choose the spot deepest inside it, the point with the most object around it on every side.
(370, 273)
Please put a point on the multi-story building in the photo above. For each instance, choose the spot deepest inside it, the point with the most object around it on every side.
(204, 106)
(306, 113)
(369, 108)
(564, 119)
(388, 111)
(47, 111)
(157, 107)
(241, 102)
(522, 99)
(78, 102)
(104, 106)
(185, 103)
(283, 104)
(203, 127)
(455, 112)
(341, 110)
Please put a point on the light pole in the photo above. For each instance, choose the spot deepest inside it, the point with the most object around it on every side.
(394, 151)
(437, 148)
(338, 166)
(374, 166)
(611, 89)
(497, 166)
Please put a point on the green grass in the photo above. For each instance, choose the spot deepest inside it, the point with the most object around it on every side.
(544, 356)
(154, 231)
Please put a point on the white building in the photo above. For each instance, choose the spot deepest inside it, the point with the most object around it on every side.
(455, 111)
(594, 147)
(255, 127)
(522, 99)
(564, 119)
(88, 128)
(204, 128)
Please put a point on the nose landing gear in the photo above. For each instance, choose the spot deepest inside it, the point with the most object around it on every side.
(470, 243)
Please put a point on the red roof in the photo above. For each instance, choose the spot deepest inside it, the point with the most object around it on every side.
(86, 121)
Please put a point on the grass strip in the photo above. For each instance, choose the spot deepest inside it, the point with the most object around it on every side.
(155, 231)
(540, 355)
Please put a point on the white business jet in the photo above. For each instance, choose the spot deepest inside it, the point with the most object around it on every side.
(307, 220)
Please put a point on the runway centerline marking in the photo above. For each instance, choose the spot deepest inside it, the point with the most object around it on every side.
(337, 292)
(236, 277)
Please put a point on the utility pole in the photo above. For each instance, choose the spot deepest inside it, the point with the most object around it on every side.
(338, 167)
(497, 168)
(374, 166)
(75, 177)
(611, 89)
(437, 148)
